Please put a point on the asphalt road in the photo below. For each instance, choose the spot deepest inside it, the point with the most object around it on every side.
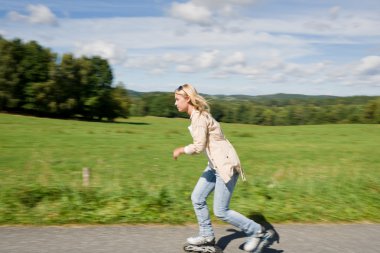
(300, 238)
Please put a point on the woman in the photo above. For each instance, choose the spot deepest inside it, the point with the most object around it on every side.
(221, 174)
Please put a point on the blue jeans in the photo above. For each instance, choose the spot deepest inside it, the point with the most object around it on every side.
(208, 182)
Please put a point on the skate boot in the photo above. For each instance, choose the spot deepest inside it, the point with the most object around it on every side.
(201, 240)
(259, 241)
(201, 244)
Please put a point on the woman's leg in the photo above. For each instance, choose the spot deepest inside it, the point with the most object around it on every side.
(202, 190)
(222, 196)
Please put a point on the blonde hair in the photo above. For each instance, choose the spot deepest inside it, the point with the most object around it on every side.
(199, 102)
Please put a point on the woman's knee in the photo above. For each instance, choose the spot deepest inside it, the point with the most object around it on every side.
(197, 200)
(221, 213)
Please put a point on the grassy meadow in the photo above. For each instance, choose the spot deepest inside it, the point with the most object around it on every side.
(315, 173)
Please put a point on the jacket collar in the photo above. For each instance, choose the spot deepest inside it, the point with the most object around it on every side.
(193, 112)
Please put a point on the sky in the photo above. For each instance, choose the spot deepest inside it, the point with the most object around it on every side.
(251, 47)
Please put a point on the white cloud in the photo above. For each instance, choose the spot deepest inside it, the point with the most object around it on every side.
(236, 58)
(204, 61)
(224, 7)
(191, 12)
(369, 65)
(183, 62)
(207, 59)
(103, 49)
(157, 71)
(185, 68)
(206, 12)
(344, 27)
(177, 57)
(38, 14)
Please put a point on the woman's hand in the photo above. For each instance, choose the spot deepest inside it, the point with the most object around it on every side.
(177, 152)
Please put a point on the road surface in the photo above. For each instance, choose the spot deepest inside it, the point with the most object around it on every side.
(295, 238)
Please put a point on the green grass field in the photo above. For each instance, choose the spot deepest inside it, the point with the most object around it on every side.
(324, 173)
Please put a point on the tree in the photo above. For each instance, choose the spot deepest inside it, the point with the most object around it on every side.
(371, 113)
(281, 118)
(138, 107)
(121, 101)
(40, 98)
(11, 88)
(22, 65)
(242, 114)
(217, 111)
(32, 80)
(96, 86)
(257, 116)
(269, 117)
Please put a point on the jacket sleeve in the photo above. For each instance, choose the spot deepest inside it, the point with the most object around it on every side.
(199, 133)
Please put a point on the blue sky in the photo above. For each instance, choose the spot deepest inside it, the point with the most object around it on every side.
(253, 47)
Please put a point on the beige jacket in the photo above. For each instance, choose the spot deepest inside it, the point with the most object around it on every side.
(208, 136)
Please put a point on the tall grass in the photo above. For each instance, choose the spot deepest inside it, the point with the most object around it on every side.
(296, 173)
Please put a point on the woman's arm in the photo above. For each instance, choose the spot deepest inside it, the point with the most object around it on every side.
(177, 152)
(199, 134)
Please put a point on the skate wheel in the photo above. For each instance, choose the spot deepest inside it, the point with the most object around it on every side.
(187, 247)
(201, 249)
(218, 250)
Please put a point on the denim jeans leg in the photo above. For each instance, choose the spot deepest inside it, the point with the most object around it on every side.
(202, 190)
(222, 197)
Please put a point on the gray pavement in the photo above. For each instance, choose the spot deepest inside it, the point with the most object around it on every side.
(294, 238)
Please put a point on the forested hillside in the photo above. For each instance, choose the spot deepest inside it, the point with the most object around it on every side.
(278, 109)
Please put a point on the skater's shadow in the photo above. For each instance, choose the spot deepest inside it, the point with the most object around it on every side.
(225, 240)
(259, 218)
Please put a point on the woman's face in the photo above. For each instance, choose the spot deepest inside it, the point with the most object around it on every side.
(181, 102)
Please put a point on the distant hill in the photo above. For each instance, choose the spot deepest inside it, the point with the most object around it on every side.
(275, 109)
(134, 93)
(267, 99)
(278, 96)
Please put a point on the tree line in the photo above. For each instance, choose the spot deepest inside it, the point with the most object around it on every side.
(35, 80)
(273, 110)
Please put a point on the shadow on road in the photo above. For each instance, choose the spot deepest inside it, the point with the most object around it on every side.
(225, 240)
(259, 218)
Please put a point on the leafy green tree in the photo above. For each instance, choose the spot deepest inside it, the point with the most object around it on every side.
(281, 118)
(96, 82)
(40, 98)
(67, 89)
(138, 107)
(371, 113)
(33, 80)
(217, 110)
(111, 103)
(269, 117)
(242, 114)
(11, 53)
(36, 63)
(22, 65)
(121, 99)
(257, 115)
(355, 114)
(229, 115)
